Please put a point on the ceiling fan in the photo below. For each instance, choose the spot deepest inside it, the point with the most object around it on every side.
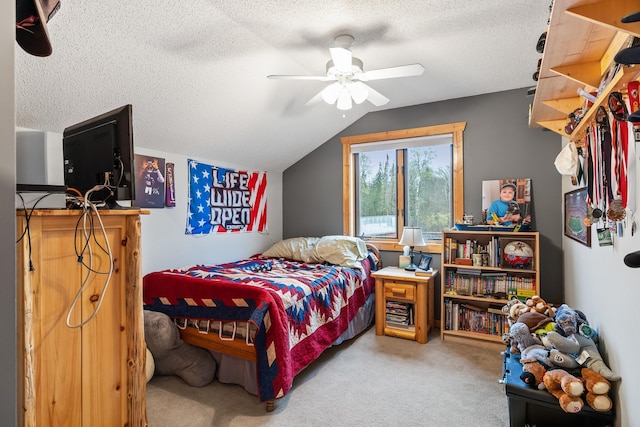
(347, 74)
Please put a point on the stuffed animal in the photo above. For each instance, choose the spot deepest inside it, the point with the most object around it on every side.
(590, 357)
(537, 352)
(150, 365)
(520, 337)
(172, 356)
(538, 305)
(576, 337)
(566, 388)
(515, 308)
(597, 390)
(561, 350)
(585, 351)
(535, 320)
(532, 372)
(568, 320)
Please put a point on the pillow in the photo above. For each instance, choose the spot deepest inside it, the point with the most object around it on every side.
(345, 251)
(296, 248)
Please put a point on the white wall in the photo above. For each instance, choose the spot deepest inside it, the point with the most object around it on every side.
(165, 245)
(598, 283)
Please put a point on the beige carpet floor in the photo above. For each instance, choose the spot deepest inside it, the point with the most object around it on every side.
(369, 381)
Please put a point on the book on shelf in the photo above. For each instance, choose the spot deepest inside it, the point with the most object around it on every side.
(469, 271)
(472, 307)
(495, 310)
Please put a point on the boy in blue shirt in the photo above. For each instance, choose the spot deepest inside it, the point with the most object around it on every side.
(506, 210)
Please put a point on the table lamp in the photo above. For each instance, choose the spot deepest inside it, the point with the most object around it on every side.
(411, 236)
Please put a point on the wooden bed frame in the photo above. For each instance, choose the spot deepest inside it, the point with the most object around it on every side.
(238, 347)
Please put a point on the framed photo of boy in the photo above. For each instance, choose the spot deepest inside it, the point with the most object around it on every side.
(575, 213)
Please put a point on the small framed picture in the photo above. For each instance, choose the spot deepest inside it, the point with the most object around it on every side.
(425, 262)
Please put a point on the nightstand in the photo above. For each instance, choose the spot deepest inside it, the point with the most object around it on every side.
(404, 303)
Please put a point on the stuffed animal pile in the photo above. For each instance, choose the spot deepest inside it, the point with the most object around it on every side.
(558, 351)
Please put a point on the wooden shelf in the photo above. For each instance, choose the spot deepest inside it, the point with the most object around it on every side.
(479, 316)
(582, 39)
(474, 335)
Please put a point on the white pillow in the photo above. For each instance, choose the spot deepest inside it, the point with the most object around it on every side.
(296, 248)
(345, 251)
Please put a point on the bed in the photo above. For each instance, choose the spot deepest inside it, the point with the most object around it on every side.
(267, 317)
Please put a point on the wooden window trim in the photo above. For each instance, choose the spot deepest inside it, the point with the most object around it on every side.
(348, 192)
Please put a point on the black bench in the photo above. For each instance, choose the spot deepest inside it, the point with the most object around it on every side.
(529, 406)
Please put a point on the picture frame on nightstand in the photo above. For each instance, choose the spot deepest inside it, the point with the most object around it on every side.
(425, 262)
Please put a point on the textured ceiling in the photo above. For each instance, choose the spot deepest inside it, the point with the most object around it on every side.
(195, 71)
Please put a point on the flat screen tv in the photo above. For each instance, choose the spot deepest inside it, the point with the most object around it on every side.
(99, 152)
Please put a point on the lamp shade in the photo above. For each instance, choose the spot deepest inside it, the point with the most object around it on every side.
(412, 236)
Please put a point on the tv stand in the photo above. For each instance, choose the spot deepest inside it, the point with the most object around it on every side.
(113, 205)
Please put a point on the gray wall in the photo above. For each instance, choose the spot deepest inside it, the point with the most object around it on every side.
(498, 143)
(8, 354)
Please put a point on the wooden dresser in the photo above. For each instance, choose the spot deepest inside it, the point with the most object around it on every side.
(92, 375)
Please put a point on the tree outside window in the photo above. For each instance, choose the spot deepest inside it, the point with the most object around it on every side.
(410, 177)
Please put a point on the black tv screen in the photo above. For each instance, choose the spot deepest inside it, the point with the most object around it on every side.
(99, 152)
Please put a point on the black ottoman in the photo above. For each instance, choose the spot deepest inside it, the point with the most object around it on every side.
(530, 406)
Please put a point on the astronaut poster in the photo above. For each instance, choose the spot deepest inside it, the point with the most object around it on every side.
(150, 182)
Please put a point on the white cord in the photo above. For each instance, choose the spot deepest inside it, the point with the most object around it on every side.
(90, 270)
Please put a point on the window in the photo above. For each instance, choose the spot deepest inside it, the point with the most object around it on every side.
(410, 177)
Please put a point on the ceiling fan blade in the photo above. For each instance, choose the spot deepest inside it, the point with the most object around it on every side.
(392, 72)
(344, 100)
(320, 78)
(330, 93)
(375, 97)
(315, 100)
(359, 92)
(341, 59)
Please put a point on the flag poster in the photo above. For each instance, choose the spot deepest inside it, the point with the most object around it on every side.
(223, 200)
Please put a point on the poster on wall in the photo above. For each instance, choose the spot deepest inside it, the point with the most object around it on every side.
(149, 181)
(170, 186)
(507, 202)
(223, 200)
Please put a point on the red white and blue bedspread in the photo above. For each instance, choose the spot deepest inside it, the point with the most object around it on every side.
(299, 309)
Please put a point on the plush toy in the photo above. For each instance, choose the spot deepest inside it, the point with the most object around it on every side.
(150, 366)
(172, 356)
(569, 321)
(537, 352)
(538, 305)
(515, 308)
(520, 338)
(592, 358)
(532, 372)
(585, 351)
(561, 350)
(534, 320)
(566, 388)
(597, 390)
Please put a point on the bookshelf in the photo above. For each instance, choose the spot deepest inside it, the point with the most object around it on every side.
(473, 295)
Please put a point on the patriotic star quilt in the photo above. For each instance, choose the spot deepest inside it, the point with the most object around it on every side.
(299, 309)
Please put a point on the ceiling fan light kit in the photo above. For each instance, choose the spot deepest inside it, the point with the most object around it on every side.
(347, 74)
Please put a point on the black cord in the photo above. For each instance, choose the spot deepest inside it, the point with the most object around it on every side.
(27, 229)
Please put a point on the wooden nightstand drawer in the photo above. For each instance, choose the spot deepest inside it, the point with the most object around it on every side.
(397, 289)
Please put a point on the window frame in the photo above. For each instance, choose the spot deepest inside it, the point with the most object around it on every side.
(348, 191)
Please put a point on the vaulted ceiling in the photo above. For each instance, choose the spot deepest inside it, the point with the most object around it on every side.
(196, 71)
